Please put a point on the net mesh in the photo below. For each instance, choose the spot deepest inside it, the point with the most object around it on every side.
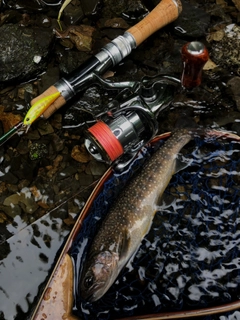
(191, 256)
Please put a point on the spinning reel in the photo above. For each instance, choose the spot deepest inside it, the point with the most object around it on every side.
(131, 120)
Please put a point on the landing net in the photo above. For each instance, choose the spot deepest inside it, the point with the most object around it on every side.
(191, 257)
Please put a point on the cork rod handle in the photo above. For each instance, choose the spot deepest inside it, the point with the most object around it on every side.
(164, 13)
(58, 103)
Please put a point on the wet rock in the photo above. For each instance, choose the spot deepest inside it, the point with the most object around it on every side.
(54, 168)
(236, 127)
(26, 88)
(131, 10)
(24, 198)
(33, 135)
(56, 145)
(61, 213)
(66, 173)
(226, 51)
(31, 5)
(80, 154)
(48, 78)
(9, 119)
(219, 12)
(229, 118)
(81, 36)
(8, 176)
(237, 4)
(70, 60)
(11, 210)
(3, 188)
(3, 217)
(22, 147)
(96, 168)
(5, 250)
(44, 21)
(193, 22)
(118, 23)
(91, 7)
(234, 85)
(73, 13)
(23, 52)
(56, 121)
(37, 151)
(84, 179)
(26, 168)
(45, 128)
(10, 16)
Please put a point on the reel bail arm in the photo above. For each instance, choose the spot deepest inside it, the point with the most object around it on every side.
(134, 123)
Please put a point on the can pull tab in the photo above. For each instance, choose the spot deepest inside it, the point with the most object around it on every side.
(194, 57)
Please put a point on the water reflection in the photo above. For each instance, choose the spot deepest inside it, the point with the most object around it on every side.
(26, 260)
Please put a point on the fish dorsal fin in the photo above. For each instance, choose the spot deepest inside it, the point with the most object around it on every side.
(182, 163)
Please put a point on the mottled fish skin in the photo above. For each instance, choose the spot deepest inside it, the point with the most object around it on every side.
(129, 219)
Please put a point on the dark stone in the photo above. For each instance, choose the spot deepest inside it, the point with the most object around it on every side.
(91, 7)
(9, 178)
(66, 173)
(70, 60)
(192, 23)
(233, 85)
(23, 52)
(29, 5)
(73, 13)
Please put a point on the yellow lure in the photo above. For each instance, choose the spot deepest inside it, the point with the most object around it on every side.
(38, 108)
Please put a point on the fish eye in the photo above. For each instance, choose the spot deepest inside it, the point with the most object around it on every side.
(88, 282)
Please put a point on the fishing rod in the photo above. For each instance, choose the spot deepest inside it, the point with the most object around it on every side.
(110, 55)
(131, 119)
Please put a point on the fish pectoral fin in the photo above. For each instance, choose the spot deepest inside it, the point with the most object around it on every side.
(124, 243)
(182, 163)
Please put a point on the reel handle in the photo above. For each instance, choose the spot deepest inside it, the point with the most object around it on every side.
(165, 12)
(194, 57)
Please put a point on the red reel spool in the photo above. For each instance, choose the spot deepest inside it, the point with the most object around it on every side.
(107, 140)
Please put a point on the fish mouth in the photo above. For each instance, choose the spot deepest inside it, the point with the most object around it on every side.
(96, 292)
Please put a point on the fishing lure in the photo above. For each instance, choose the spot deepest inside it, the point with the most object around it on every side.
(33, 113)
(38, 109)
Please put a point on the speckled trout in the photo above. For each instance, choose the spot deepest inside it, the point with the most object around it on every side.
(130, 218)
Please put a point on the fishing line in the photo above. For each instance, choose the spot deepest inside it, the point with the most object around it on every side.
(52, 210)
(108, 141)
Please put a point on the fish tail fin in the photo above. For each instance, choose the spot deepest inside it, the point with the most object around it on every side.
(220, 134)
(208, 133)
